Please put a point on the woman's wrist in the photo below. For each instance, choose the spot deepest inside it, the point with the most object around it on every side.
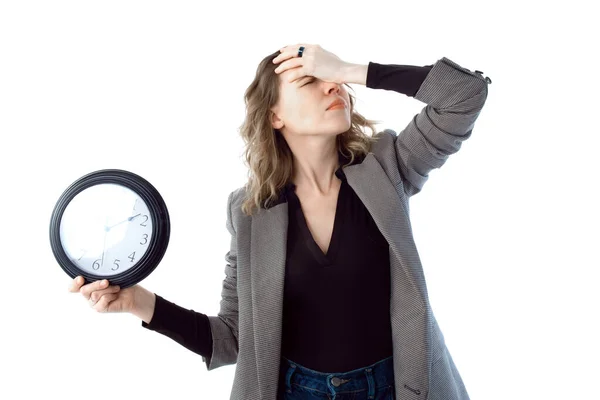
(356, 73)
(144, 302)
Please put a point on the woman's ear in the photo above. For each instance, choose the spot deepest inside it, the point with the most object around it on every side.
(276, 122)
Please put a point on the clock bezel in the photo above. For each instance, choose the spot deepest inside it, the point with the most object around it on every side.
(157, 208)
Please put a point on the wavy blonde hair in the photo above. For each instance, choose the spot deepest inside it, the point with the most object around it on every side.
(267, 154)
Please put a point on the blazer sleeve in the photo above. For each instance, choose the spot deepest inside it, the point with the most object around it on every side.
(224, 326)
(454, 96)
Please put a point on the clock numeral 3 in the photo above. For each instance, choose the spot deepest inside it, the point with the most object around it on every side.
(145, 239)
(96, 264)
(142, 224)
(114, 269)
(132, 256)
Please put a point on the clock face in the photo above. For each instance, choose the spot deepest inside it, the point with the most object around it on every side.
(106, 229)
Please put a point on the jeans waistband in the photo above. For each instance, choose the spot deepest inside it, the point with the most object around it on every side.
(371, 377)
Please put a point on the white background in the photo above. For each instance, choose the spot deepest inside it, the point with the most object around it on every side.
(507, 229)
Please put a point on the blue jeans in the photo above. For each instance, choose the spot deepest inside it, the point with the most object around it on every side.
(373, 382)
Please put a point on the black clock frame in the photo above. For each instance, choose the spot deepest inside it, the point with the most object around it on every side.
(161, 226)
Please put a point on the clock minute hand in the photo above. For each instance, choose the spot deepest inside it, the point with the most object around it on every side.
(108, 228)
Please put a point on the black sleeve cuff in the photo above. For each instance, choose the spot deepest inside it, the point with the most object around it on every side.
(405, 79)
(189, 328)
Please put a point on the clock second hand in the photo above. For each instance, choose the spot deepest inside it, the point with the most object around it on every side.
(84, 252)
(104, 246)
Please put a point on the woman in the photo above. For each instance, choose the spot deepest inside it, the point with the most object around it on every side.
(325, 215)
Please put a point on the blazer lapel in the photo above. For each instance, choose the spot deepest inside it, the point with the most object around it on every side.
(408, 304)
(409, 307)
(267, 268)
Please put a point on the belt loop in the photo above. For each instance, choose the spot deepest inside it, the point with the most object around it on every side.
(288, 377)
(371, 393)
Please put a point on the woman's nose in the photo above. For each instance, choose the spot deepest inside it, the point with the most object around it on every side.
(332, 85)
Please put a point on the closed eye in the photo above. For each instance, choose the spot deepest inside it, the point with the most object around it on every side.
(310, 81)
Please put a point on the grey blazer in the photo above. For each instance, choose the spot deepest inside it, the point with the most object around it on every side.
(247, 329)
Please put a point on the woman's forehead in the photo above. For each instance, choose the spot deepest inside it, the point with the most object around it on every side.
(285, 77)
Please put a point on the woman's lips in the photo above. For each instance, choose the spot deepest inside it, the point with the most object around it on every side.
(336, 107)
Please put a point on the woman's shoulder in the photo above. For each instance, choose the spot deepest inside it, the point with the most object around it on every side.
(236, 198)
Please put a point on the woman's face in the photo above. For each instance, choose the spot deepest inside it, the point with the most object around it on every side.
(302, 107)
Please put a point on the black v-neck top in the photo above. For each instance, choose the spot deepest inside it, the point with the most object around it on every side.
(336, 311)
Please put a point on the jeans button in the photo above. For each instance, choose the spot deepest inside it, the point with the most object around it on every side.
(335, 381)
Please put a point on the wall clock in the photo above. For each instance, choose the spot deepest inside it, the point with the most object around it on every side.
(110, 224)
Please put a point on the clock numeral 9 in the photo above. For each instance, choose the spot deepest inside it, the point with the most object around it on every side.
(143, 223)
(132, 256)
(145, 239)
(114, 269)
(96, 264)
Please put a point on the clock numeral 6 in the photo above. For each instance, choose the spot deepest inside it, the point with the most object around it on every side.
(131, 256)
(114, 269)
(96, 264)
(143, 223)
(145, 239)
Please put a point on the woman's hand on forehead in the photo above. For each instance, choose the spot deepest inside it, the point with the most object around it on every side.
(315, 61)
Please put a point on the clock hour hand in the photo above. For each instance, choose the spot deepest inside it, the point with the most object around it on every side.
(108, 228)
